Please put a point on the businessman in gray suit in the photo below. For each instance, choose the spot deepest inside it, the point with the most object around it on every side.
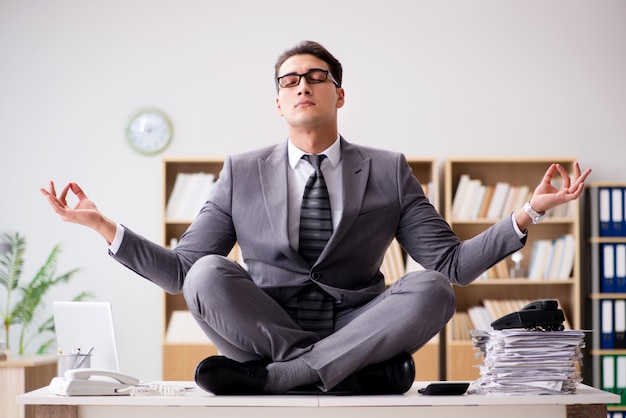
(291, 320)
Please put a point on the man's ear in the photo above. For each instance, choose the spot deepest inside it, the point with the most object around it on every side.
(279, 109)
(341, 97)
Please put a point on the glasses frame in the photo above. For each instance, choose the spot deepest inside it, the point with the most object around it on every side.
(329, 76)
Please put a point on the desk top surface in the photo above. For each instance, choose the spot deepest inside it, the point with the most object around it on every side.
(28, 361)
(197, 397)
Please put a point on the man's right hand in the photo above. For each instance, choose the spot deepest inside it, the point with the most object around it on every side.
(84, 213)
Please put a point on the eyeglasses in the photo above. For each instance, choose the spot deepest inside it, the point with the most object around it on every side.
(314, 76)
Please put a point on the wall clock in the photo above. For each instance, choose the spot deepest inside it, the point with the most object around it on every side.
(149, 131)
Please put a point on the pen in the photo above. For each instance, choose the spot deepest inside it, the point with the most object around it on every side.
(84, 356)
(76, 356)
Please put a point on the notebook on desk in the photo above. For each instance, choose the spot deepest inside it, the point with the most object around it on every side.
(84, 325)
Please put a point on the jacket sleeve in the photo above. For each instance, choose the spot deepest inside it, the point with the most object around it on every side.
(430, 240)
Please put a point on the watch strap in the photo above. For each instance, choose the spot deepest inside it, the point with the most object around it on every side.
(535, 216)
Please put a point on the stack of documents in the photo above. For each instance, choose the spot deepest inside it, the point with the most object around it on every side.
(523, 362)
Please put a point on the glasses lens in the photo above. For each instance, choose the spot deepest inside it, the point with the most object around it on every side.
(316, 76)
(290, 80)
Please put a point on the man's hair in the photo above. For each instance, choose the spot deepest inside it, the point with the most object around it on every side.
(315, 49)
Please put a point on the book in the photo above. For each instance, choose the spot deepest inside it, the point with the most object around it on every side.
(459, 195)
(484, 208)
(540, 252)
(497, 201)
(190, 192)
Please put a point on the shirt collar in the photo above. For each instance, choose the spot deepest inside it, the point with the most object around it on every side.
(333, 153)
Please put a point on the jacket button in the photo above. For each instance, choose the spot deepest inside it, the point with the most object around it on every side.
(315, 275)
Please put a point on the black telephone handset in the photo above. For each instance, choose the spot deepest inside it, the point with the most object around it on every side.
(542, 304)
(543, 314)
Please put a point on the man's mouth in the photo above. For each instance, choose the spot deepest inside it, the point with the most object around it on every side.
(305, 103)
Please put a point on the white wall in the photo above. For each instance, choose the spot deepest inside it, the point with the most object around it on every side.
(430, 78)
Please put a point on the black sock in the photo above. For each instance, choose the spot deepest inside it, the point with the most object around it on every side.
(283, 376)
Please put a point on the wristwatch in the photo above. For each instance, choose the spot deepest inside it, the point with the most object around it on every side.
(535, 216)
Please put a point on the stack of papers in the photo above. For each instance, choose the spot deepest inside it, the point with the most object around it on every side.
(523, 362)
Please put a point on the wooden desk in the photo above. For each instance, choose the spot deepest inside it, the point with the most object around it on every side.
(587, 402)
(21, 374)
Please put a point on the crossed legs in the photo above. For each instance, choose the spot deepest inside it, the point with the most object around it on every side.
(246, 324)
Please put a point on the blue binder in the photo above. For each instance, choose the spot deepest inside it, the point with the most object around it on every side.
(617, 212)
(607, 273)
(619, 325)
(620, 268)
(604, 211)
(607, 340)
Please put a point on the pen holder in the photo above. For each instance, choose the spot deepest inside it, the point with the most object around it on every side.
(72, 361)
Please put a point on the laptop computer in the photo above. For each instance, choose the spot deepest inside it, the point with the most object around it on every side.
(84, 325)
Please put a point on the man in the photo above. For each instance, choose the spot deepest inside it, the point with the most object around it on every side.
(321, 316)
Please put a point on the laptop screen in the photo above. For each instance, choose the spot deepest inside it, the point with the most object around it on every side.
(82, 325)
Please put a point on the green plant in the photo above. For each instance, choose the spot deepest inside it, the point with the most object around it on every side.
(24, 300)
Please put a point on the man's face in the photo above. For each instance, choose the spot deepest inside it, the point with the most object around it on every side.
(308, 105)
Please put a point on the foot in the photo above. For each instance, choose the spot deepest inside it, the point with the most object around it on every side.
(390, 377)
(223, 376)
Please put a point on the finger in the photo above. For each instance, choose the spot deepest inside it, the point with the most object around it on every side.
(78, 191)
(56, 205)
(63, 195)
(49, 193)
(547, 178)
(577, 192)
(54, 202)
(580, 181)
(565, 176)
(53, 191)
(44, 192)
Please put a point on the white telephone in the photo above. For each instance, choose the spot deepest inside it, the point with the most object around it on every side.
(92, 382)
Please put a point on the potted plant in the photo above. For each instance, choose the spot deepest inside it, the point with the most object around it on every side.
(24, 300)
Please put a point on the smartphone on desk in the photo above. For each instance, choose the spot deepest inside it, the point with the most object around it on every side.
(445, 388)
(92, 382)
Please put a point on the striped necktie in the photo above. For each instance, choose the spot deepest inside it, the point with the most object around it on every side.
(315, 307)
(316, 225)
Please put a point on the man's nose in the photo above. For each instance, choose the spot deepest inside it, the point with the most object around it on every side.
(304, 87)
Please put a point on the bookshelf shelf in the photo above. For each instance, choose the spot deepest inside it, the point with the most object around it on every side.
(522, 282)
(599, 352)
(487, 221)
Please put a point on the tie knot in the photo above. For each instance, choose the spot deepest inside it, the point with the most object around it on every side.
(314, 159)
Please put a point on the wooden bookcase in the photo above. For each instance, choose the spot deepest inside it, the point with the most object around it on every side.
(461, 361)
(181, 358)
(605, 291)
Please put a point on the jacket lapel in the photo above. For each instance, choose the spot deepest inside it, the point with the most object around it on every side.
(273, 176)
(355, 174)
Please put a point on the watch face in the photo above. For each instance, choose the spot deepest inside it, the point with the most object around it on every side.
(149, 131)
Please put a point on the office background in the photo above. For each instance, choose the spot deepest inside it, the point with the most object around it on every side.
(428, 78)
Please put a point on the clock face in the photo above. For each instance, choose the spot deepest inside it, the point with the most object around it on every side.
(149, 131)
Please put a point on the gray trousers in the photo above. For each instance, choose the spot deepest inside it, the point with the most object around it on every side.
(246, 324)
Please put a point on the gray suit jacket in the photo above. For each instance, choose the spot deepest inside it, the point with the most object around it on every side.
(382, 200)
